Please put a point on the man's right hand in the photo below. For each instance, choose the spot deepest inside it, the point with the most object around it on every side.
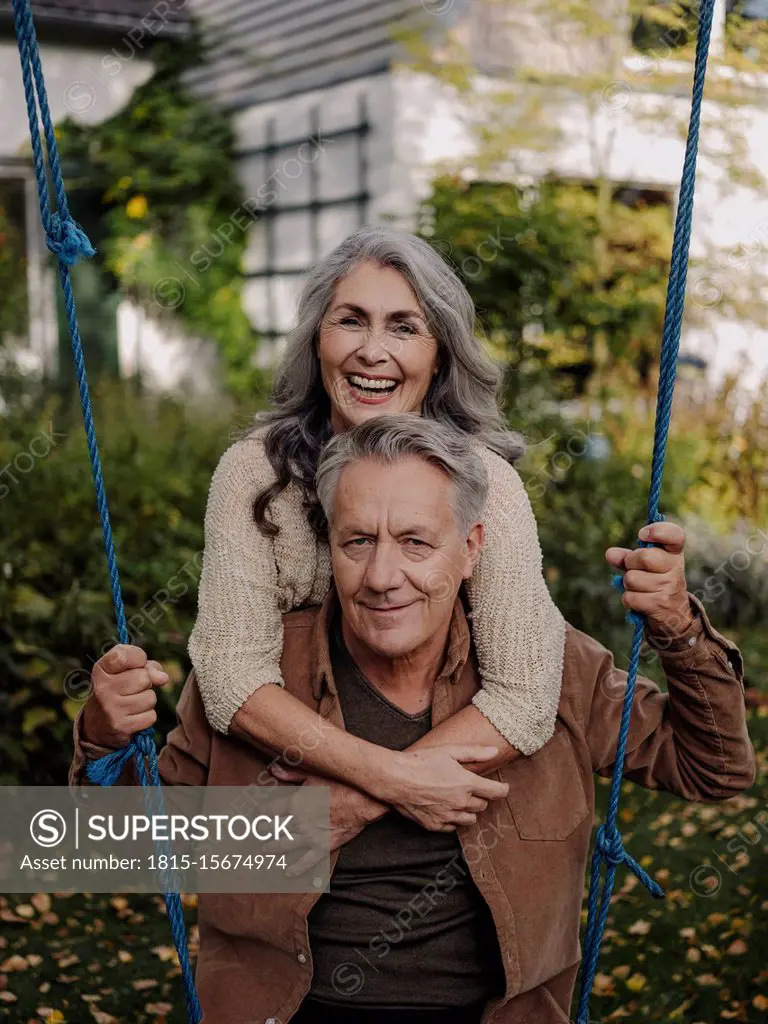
(431, 787)
(123, 699)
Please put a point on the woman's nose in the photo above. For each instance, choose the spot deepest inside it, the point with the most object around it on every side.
(373, 348)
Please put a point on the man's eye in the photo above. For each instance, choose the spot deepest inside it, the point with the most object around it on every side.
(357, 542)
(417, 542)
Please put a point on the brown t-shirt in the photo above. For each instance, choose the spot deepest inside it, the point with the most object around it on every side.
(404, 925)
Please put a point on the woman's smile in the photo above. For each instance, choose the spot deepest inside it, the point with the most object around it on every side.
(371, 390)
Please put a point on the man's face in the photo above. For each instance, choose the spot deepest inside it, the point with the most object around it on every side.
(398, 557)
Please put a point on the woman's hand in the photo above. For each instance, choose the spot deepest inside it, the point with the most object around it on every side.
(123, 699)
(432, 788)
(654, 578)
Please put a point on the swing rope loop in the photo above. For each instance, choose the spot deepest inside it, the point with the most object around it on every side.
(609, 848)
(69, 243)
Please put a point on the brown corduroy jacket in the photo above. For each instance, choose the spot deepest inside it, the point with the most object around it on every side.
(527, 852)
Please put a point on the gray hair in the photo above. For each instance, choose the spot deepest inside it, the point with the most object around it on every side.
(396, 436)
(463, 393)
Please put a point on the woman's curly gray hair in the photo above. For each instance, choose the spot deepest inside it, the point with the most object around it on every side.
(463, 393)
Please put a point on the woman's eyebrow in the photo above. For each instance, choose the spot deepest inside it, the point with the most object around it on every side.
(398, 314)
(406, 314)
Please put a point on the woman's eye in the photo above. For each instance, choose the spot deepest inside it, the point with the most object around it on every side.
(406, 328)
(350, 321)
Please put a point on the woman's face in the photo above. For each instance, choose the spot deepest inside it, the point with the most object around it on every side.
(376, 353)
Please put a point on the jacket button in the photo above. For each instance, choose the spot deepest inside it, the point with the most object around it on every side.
(302, 958)
(270, 1020)
(692, 641)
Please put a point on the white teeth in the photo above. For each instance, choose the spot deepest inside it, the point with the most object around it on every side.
(372, 385)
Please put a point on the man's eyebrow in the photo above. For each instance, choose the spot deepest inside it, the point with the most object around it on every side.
(418, 530)
(354, 531)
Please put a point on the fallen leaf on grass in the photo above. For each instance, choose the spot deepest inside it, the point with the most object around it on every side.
(14, 963)
(165, 953)
(41, 901)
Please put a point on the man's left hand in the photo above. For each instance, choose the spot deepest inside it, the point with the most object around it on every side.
(654, 578)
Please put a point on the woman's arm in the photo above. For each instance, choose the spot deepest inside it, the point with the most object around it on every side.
(518, 630)
(427, 782)
(237, 640)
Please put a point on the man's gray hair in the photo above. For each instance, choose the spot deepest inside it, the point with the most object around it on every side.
(390, 438)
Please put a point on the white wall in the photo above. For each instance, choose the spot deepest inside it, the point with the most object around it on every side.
(166, 359)
(87, 84)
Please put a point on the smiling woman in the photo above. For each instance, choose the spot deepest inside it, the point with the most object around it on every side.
(383, 326)
(376, 351)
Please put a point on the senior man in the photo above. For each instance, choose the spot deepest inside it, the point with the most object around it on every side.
(454, 897)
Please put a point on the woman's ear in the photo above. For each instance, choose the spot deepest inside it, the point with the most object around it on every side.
(475, 540)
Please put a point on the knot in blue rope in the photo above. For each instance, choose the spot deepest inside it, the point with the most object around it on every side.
(610, 845)
(67, 240)
(105, 771)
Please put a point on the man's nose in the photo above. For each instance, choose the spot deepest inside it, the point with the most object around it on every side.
(383, 571)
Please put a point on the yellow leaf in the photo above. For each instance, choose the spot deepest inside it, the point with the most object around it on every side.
(603, 985)
(25, 910)
(41, 901)
(636, 983)
(137, 207)
(14, 963)
(639, 928)
(708, 979)
(165, 953)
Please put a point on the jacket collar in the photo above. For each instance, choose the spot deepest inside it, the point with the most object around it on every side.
(456, 655)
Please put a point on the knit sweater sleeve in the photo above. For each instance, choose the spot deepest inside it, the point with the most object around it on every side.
(248, 582)
(518, 630)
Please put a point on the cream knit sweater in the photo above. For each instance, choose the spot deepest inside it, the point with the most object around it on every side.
(249, 581)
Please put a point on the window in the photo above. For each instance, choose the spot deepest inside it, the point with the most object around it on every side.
(308, 197)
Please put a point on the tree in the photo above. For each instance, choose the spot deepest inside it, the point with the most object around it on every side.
(156, 189)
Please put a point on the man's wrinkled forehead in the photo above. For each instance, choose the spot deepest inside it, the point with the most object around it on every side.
(408, 495)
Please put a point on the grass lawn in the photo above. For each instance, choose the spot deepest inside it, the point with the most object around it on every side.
(700, 956)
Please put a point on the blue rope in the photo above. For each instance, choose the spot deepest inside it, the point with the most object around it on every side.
(69, 243)
(609, 848)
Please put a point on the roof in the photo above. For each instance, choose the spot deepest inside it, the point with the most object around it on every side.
(263, 50)
(101, 18)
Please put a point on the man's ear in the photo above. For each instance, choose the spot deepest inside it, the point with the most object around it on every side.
(475, 540)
